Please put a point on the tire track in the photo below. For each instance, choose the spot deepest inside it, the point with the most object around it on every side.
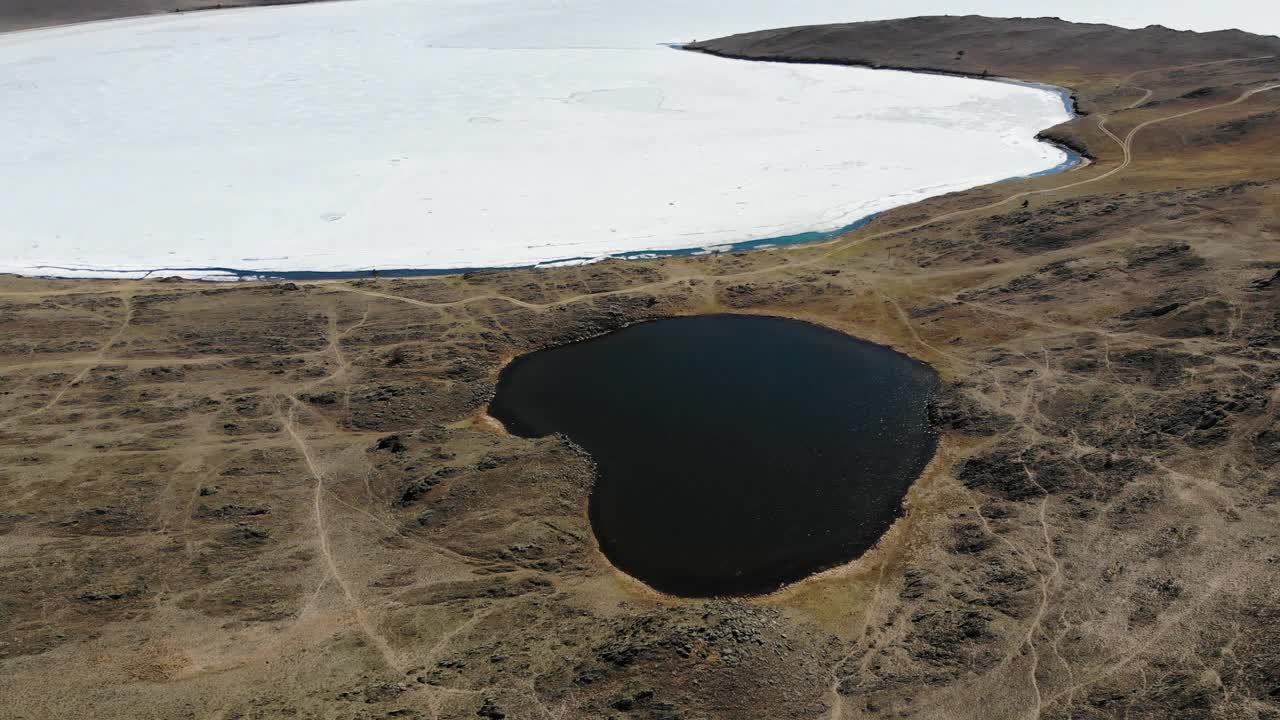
(97, 359)
(289, 421)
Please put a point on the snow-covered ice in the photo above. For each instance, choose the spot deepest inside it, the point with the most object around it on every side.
(464, 133)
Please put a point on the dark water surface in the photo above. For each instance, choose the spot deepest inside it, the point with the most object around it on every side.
(734, 453)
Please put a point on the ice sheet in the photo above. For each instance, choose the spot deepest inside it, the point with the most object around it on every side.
(423, 134)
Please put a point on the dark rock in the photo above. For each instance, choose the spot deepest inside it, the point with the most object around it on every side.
(950, 409)
(915, 584)
(112, 594)
(1161, 368)
(391, 443)
(968, 538)
(1170, 258)
(415, 489)
(489, 462)
(999, 472)
(1149, 312)
(248, 535)
(1270, 283)
(324, 398)
(947, 638)
(490, 710)
(1267, 446)
(231, 511)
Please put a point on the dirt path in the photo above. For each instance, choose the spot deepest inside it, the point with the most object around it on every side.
(1127, 143)
(96, 360)
(289, 421)
(1172, 68)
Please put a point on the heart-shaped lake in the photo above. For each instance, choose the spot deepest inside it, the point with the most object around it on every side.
(734, 453)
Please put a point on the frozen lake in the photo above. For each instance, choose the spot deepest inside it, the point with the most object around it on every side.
(422, 134)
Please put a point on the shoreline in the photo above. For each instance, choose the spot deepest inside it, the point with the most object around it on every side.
(1075, 158)
(1068, 96)
(933, 435)
(201, 8)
